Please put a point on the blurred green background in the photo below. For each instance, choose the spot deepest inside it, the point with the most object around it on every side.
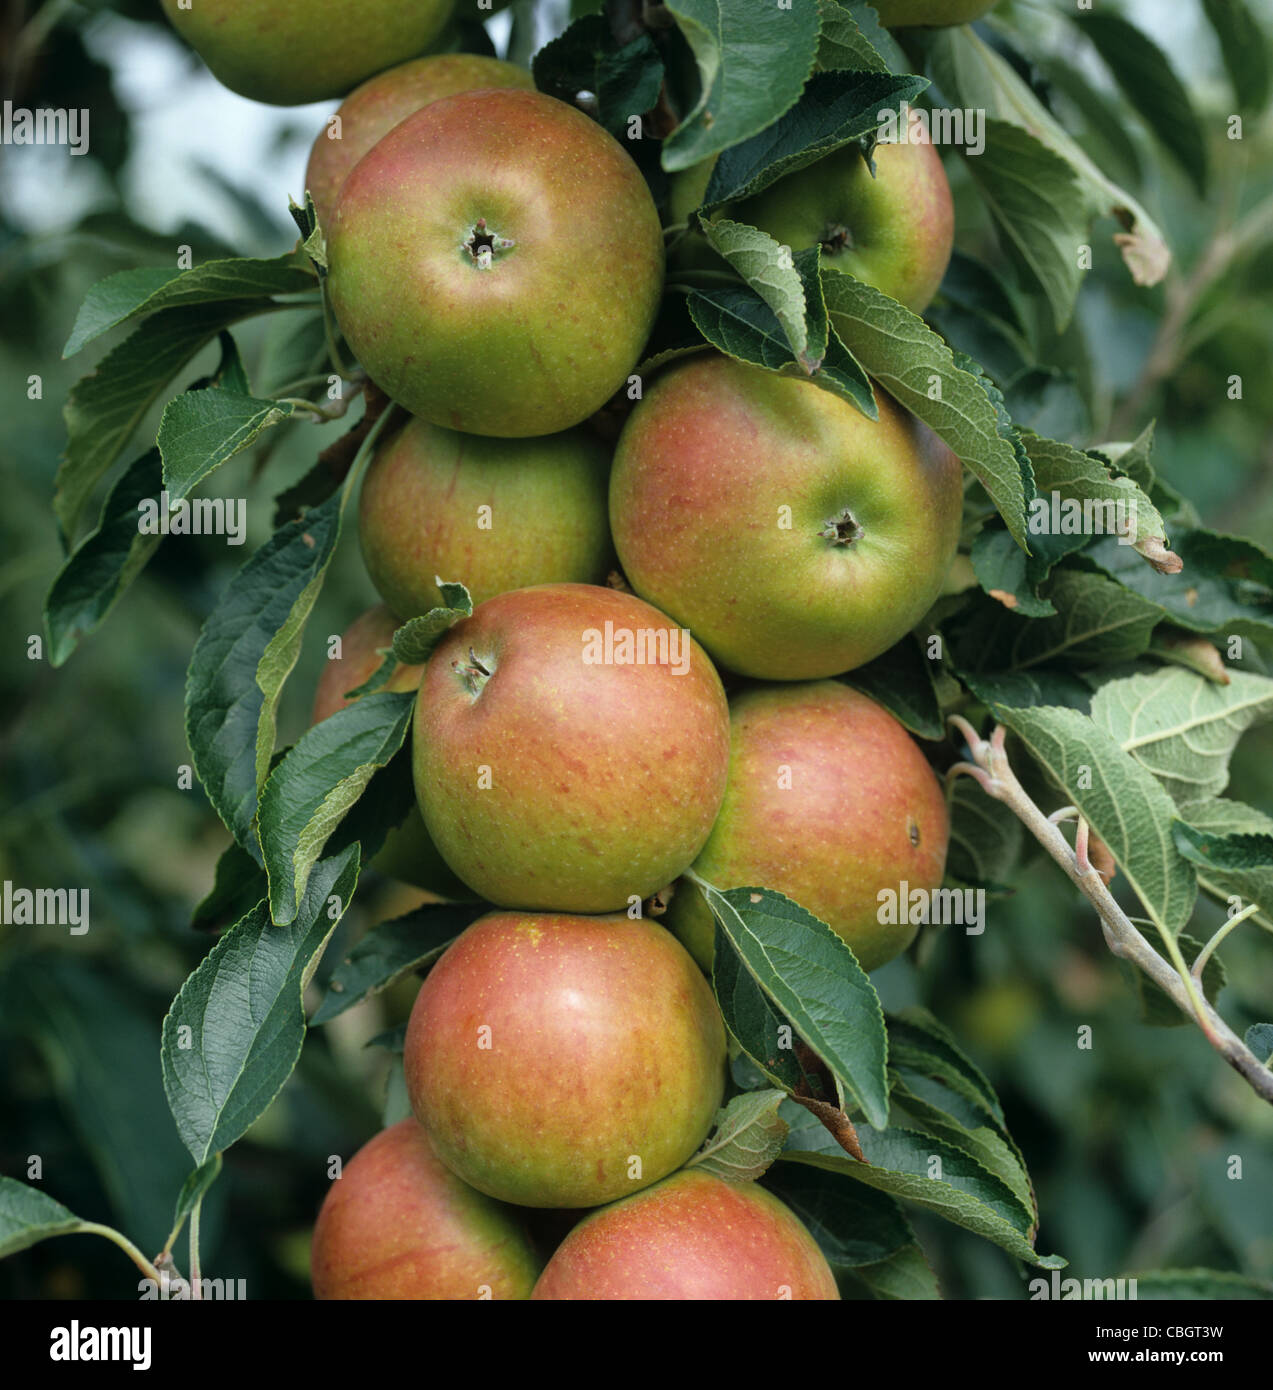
(1127, 1142)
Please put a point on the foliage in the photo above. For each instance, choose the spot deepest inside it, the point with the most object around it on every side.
(1125, 670)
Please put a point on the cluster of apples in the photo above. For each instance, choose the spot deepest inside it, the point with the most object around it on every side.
(496, 263)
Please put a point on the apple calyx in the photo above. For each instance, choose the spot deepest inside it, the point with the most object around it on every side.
(836, 238)
(482, 244)
(473, 674)
(843, 529)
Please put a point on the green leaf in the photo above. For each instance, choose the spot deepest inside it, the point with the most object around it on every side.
(1040, 686)
(391, 950)
(919, 1042)
(770, 271)
(943, 1093)
(1244, 46)
(765, 1036)
(973, 76)
(27, 1217)
(1186, 1285)
(587, 57)
(835, 109)
(105, 562)
(239, 883)
(245, 651)
(1259, 1038)
(1037, 204)
(1151, 85)
(1181, 726)
(747, 1137)
(313, 242)
(1096, 622)
(105, 407)
(752, 60)
(1089, 497)
(1157, 1008)
(906, 1165)
(392, 1040)
(234, 1032)
(195, 1188)
(628, 83)
(1120, 799)
(414, 641)
(841, 42)
(1133, 459)
(814, 979)
(385, 805)
(1003, 570)
(293, 347)
(1103, 115)
(910, 361)
(1231, 846)
(854, 1225)
(200, 430)
(985, 838)
(316, 783)
(906, 1275)
(131, 293)
(901, 680)
(98, 1036)
(920, 1103)
(739, 323)
(1226, 584)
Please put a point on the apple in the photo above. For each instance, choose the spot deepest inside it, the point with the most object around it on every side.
(829, 801)
(363, 645)
(398, 1224)
(901, 14)
(793, 536)
(693, 1236)
(563, 1061)
(496, 263)
(372, 110)
(894, 229)
(497, 514)
(288, 53)
(407, 853)
(570, 749)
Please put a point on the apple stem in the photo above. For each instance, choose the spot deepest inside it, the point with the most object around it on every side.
(836, 238)
(993, 773)
(843, 529)
(482, 244)
(474, 675)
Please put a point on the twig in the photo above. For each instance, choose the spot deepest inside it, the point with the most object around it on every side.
(991, 771)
